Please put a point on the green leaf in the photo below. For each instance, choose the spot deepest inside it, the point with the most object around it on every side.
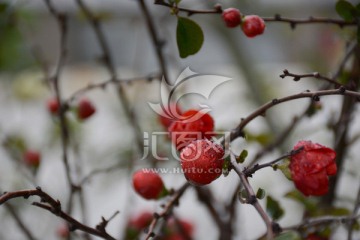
(310, 204)
(171, 2)
(260, 194)
(273, 208)
(241, 158)
(226, 166)
(262, 138)
(165, 192)
(284, 168)
(288, 236)
(346, 10)
(189, 37)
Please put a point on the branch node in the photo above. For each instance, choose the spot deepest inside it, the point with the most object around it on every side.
(218, 8)
(276, 228)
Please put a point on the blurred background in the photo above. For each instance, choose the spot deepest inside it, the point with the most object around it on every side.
(29, 41)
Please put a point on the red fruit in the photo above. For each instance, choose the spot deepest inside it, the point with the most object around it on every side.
(176, 236)
(32, 158)
(253, 25)
(232, 17)
(192, 125)
(202, 161)
(148, 184)
(85, 109)
(63, 231)
(53, 106)
(185, 227)
(314, 236)
(168, 117)
(140, 221)
(311, 167)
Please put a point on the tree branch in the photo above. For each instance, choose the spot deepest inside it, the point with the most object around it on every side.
(54, 206)
(174, 201)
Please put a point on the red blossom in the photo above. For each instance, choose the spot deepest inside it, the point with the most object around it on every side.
(231, 17)
(140, 221)
(253, 25)
(202, 161)
(311, 167)
(190, 128)
(148, 184)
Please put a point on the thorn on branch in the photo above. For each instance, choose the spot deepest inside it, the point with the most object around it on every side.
(275, 101)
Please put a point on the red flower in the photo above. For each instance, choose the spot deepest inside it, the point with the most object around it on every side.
(253, 25)
(193, 125)
(140, 221)
(53, 105)
(232, 17)
(32, 158)
(85, 109)
(202, 161)
(311, 167)
(166, 120)
(148, 184)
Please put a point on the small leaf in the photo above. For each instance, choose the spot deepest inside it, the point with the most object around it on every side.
(260, 194)
(189, 37)
(241, 158)
(226, 166)
(165, 192)
(284, 168)
(288, 236)
(346, 10)
(273, 208)
(262, 138)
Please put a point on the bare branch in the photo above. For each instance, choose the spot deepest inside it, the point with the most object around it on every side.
(54, 206)
(174, 201)
(316, 75)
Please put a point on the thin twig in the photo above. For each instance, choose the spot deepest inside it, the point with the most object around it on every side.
(250, 171)
(204, 195)
(316, 75)
(166, 211)
(315, 95)
(309, 20)
(158, 44)
(100, 171)
(63, 28)
(54, 206)
(277, 18)
(103, 85)
(217, 8)
(109, 63)
(326, 220)
(19, 222)
(354, 213)
(251, 199)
